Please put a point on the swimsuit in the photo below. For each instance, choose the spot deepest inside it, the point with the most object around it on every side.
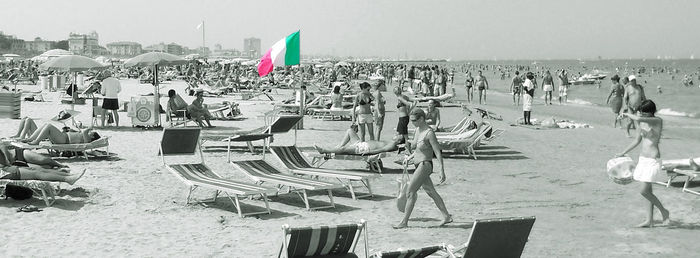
(19, 155)
(10, 172)
(402, 126)
(648, 170)
(361, 148)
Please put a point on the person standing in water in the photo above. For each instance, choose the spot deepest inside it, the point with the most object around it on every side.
(615, 98)
(516, 85)
(548, 87)
(563, 86)
(633, 97)
(469, 83)
(426, 146)
(648, 169)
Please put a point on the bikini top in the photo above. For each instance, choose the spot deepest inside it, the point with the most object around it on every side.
(647, 132)
(362, 101)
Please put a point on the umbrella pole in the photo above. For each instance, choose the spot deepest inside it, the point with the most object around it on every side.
(74, 93)
(156, 96)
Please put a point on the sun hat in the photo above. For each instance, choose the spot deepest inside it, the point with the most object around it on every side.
(632, 77)
(65, 114)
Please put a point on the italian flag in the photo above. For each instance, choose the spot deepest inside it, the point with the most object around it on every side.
(284, 52)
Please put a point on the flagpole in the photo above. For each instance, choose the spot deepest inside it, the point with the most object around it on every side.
(203, 43)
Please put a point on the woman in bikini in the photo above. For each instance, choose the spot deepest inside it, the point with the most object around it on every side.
(362, 111)
(53, 134)
(425, 146)
(17, 155)
(379, 111)
(648, 169)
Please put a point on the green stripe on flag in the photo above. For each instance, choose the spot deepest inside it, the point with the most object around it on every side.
(291, 56)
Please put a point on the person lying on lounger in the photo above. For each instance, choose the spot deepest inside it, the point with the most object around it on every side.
(55, 135)
(352, 145)
(8, 171)
(12, 155)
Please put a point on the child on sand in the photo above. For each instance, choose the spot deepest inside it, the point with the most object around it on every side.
(648, 168)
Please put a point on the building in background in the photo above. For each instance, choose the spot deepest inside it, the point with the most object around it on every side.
(86, 44)
(39, 45)
(171, 48)
(124, 49)
(251, 47)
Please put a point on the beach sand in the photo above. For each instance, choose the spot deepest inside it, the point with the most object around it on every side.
(132, 205)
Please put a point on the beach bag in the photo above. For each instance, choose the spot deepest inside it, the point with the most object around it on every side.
(403, 189)
(620, 170)
(18, 192)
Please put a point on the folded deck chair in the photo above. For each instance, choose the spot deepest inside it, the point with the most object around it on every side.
(323, 241)
(374, 161)
(330, 114)
(468, 144)
(260, 171)
(185, 141)
(55, 149)
(502, 237)
(44, 189)
(297, 163)
(411, 253)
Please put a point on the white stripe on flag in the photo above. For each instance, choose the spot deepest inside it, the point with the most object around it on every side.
(278, 52)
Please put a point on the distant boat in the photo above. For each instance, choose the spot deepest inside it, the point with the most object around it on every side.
(588, 79)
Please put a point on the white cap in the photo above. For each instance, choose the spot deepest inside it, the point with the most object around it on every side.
(632, 77)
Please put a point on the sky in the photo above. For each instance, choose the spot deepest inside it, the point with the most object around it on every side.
(438, 29)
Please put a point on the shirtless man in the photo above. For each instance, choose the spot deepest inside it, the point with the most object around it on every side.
(351, 144)
(548, 87)
(563, 86)
(482, 85)
(634, 95)
(516, 84)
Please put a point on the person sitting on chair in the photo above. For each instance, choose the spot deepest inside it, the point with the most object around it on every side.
(175, 104)
(352, 145)
(198, 112)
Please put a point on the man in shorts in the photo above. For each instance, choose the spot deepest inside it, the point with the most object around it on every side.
(110, 90)
(516, 85)
(482, 85)
(634, 95)
(548, 87)
(563, 86)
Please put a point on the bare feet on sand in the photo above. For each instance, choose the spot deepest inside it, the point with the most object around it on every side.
(446, 220)
(72, 179)
(666, 216)
(400, 226)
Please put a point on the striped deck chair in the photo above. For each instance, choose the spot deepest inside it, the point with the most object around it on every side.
(502, 237)
(297, 163)
(185, 141)
(411, 253)
(261, 171)
(323, 241)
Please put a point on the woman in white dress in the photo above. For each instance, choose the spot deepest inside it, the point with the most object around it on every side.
(529, 88)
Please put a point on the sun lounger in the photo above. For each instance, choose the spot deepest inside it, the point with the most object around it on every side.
(465, 144)
(323, 241)
(412, 253)
(330, 114)
(502, 237)
(689, 174)
(297, 163)
(75, 148)
(185, 142)
(44, 189)
(260, 171)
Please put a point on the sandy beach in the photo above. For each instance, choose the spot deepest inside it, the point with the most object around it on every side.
(132, 206)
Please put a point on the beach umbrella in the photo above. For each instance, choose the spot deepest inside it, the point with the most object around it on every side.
(71, 63)
(155, 59)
